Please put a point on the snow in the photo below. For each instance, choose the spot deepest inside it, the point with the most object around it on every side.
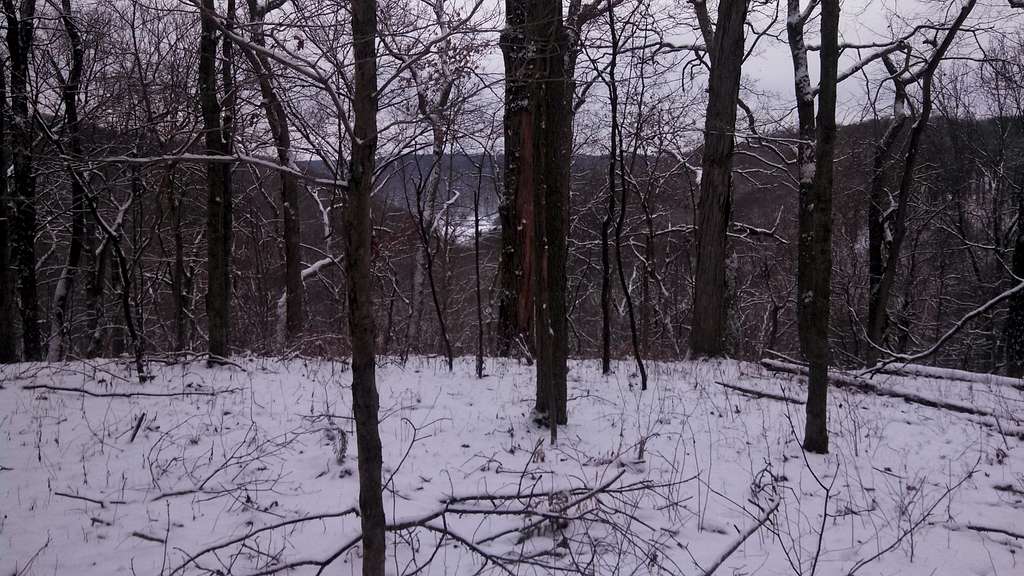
(257, 444)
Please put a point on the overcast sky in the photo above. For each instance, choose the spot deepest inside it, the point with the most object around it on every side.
(864, 21)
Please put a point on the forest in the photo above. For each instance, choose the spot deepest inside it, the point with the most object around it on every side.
(521, 287)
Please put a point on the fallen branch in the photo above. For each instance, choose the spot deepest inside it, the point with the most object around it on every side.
(246, 536)
(125, 394)
(747, 533)
(994, 530)
(760, 393)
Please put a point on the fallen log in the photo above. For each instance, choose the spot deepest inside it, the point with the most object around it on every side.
(840, 380)
(951, 374)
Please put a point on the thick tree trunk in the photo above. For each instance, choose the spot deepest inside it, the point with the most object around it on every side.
(20, 30)
(218, 182)
(516, 212)
(707, 337)
(552, 130)
(61, 307)
(358, 238)
(8, 336)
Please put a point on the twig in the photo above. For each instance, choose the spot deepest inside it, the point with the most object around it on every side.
(861, 563)
(149, 538)
(102, 503)
(138, 425)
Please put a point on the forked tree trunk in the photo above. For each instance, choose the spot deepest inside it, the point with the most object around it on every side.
(277, 119)
(884, 280)
(61, 307)
(707, 337)
(877, 317)
(358, 236)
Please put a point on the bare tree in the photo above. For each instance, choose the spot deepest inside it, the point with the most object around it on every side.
(890, 230)
(217, 133)
(20, 35)
(707, 337)
(816, 151)
(293, 319)
(61, 306)
(358, 238)
(8, 307)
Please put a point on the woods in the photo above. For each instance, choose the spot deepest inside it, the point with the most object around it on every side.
(687, 246)
(533, 183)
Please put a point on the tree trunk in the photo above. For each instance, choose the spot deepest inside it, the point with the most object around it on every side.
(8, 336)
(877, 318)
(606, 276)
(1015, 314)
(358, 237)
(814, 165)
(61, 307)
(476, 267)
(707, 338)
(616, 165)
(552, 130)
(885, 279)
(277, 119)
(218, 182)
(516, 212)
(20, 29)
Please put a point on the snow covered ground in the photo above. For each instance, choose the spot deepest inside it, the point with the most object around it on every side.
(664, 481)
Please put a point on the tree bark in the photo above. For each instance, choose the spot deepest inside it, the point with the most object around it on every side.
(1014, 330)
(552, 130)
(877, 317)
(218, 182)
(358, 238)
(8, 336)
(516, 211)
(814, 166)
(20, 31)
(707, 337)
(61, 307)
